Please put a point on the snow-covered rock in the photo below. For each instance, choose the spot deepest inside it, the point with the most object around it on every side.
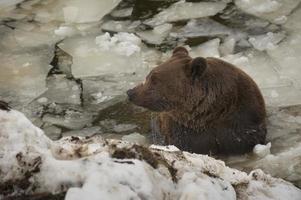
(93, 168)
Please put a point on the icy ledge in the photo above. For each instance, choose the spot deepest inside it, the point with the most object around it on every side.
(93, 168)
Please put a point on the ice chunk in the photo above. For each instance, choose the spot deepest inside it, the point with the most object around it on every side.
(77, 11)
(122, 13)
(204, 27)
(267, 41)
(157, 35)
(262, 69)
(262, 150)
(259, 6)
(207, 49)
(104, 54)
(23, 75)
(186, 10)
(25, 35)
(227, 47)
(9, 4)
(65, 31)
(69, 11)
(124, 127)
(52, 132)
(135, 138)
(282, 95)
(63, 90)
(85, 132)
(120, 26)
(109, 90)
(70, 119)
(272, 10)
(288, 52)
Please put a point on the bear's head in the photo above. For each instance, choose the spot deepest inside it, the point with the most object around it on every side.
(171, 85)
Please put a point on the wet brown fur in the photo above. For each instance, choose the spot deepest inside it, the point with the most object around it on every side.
(218, 111)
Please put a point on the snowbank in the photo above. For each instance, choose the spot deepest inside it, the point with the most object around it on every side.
(90, 167)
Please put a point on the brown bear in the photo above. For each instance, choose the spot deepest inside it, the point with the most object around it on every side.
(206, 105)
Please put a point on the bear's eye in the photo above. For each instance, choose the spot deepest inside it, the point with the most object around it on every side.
(154, 79)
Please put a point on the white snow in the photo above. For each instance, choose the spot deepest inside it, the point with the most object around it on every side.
(186, 10)
(86, 168)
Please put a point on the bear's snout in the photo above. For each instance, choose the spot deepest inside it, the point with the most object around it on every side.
(131, 94)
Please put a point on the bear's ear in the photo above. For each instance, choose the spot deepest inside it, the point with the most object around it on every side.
(180, 50)
(197, 67)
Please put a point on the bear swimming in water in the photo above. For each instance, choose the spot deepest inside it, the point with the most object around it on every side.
(206, 105)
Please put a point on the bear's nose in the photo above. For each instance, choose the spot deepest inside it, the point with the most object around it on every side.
(130, 94)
